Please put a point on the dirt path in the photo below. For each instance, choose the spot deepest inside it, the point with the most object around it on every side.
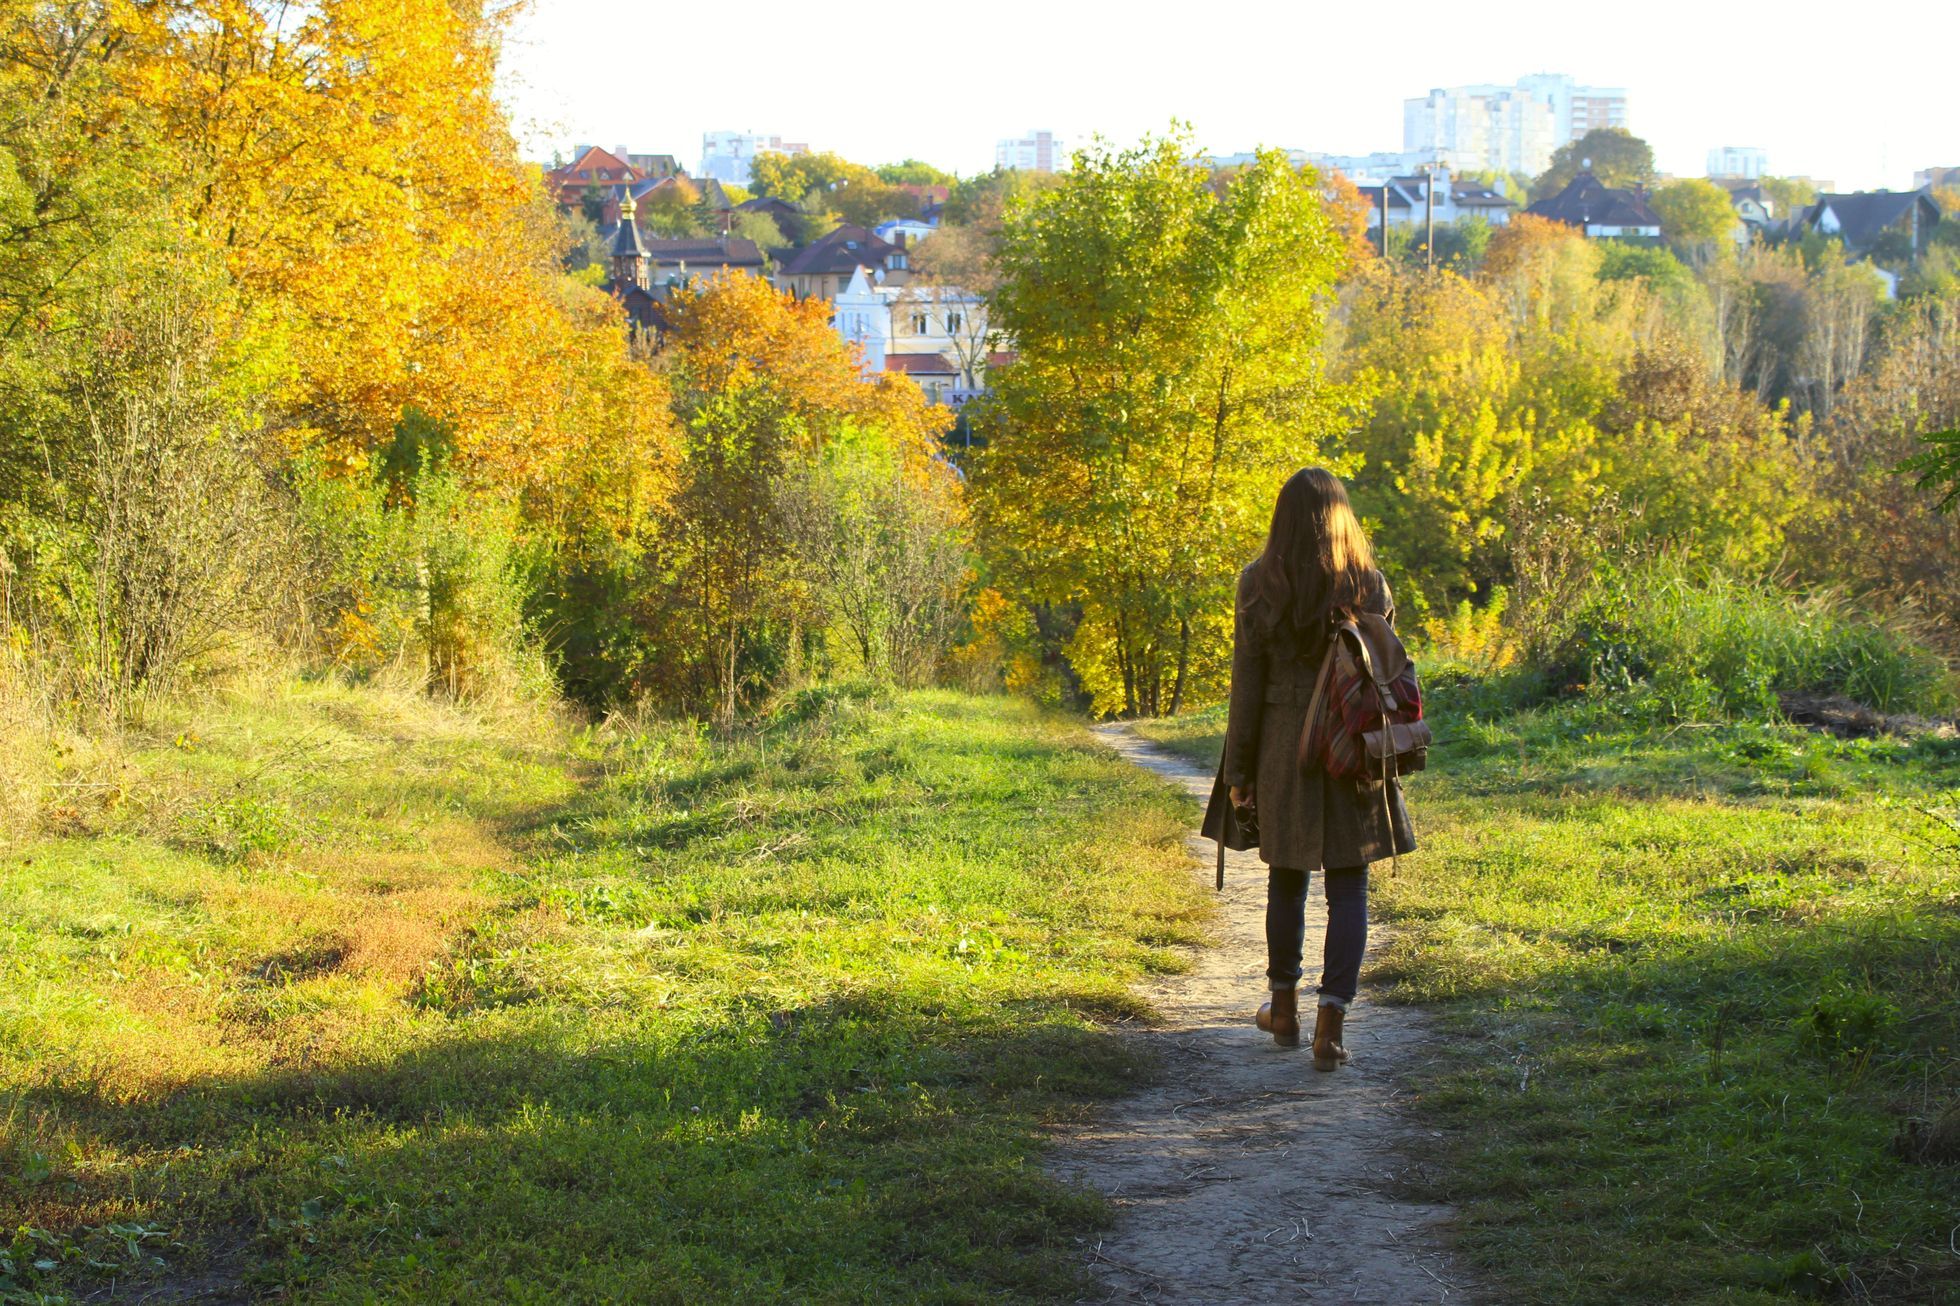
(1246, 1176)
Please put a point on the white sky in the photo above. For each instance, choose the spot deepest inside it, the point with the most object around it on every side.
(1827, 94)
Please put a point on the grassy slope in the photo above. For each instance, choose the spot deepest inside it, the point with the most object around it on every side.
(1698, 980)
(361, 997)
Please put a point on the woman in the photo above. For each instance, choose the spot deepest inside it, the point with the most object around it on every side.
(1316, 564)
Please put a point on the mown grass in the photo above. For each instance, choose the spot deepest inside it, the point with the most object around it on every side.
(1698, 983)
(345, 997)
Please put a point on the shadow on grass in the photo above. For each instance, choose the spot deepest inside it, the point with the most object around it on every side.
(1700, 1119)
(870, 1147)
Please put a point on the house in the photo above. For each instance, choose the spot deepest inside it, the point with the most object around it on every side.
(1754, 209)
(656, 165)
(904, 232)
(823, 269)
(928, 195)
(680, 262)
(935, 374)
(1599, 210)
(1904, 219)
(937, 335)
(1408, 200)
(593, 168)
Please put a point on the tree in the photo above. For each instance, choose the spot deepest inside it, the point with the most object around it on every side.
(985, 200)
(914, 172)
(882, 528)
(1543, 271)
(762, 386)
(955, 274)
(1350, 211)
(672, 210)
(1840, 302)
(1168, 376)
(1788, 196)
(1613, 154)
(1696, 215)
(855, 192)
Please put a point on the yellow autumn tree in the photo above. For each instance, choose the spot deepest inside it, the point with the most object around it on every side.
(1169, 377)
(762, 386)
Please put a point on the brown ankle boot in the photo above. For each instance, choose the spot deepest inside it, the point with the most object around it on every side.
(1328, 1054)
(1281, 1017)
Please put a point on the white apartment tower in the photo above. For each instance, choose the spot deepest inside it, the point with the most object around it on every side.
(1508, 128)
(726, 156)
(1745, 161)
(1038, 151)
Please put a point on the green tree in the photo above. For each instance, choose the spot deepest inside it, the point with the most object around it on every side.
(1788, 196)
(985, 199)
(1169, 375)
(1695, 214)
(915, 172)
(1613, 154)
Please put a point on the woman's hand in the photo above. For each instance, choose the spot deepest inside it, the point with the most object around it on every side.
(1241, 796)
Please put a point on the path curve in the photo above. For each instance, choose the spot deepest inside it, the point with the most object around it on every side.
(1245, 1175)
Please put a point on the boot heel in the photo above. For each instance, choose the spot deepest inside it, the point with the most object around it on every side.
(1280, 1018)
(1328, 1054)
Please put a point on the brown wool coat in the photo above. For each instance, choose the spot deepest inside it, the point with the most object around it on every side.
(1306, 822)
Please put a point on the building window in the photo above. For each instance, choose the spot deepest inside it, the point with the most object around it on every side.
(919, 324)
(952, 323)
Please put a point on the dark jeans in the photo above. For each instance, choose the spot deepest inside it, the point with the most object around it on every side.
(1347, 929)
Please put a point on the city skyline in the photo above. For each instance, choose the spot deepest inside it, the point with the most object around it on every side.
(1694, 73)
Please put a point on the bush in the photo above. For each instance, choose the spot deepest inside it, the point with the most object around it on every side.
(149, 538)
(1707, 644)
(429, 579)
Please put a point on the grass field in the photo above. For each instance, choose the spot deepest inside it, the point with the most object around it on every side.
(1702, 989)
(354, 997)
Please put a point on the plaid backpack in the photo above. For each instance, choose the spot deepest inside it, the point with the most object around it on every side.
(1365, 719)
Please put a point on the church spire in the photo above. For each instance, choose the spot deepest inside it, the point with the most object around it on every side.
(629, 252)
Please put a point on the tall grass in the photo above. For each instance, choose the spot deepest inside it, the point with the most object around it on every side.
(1704, 644)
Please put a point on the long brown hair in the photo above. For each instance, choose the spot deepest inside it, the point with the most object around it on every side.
(1316, 561)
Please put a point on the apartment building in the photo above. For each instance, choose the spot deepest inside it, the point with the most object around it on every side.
(1038, 151)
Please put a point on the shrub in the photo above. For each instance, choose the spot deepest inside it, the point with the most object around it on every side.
(430, 580)
(1709, 644)
(152, 538)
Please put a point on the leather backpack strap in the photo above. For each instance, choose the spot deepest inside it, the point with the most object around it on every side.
(1370, 664)
(1388, 812)
(1313, 704)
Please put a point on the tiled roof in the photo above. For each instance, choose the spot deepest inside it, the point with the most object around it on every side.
(595, 167)
(728, 252)
(842, 250)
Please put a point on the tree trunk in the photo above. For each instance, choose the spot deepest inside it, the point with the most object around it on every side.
(1183, 664)
(726, 713)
